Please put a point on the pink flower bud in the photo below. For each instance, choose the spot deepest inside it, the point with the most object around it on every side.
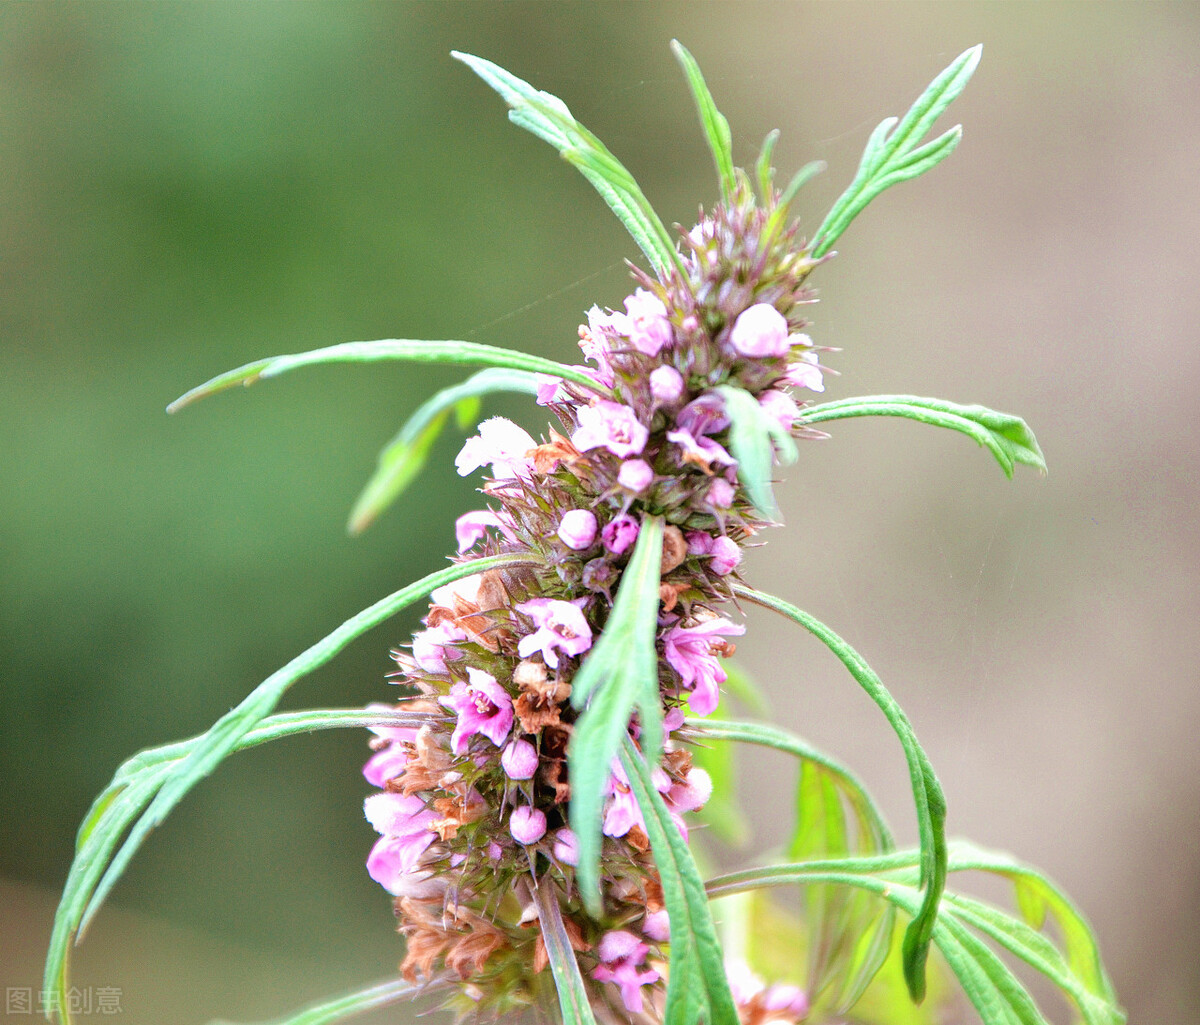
(620, 533)
(577, 528)
(720, 493)
(519, 760)
(649, 328)
(725, 555)
(527, 825)
(780, 406)
(566, 847)
(657, 925)
(635, 475)
(760, 331)
(666, 385)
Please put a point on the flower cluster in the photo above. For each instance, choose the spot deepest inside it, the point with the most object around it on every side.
(477, 798)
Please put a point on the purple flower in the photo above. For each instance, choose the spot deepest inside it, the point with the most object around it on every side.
(519, 760)
(699, 543)
(561, 626)
(702, 451)
(806, 373)
(725, 556)
(704, 415)
(483, 706)
(780, 406)
(404, 824)
(566, 846)
(760, 331)
(612, 426)
(527, 825)
(431, 647)
(648, 326)
(577, 528)
(620, 954)
(619, 533)
(501, 443)
(666, 385)
(689, 651)
(635, 475)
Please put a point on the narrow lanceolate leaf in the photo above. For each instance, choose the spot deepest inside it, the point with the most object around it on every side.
(618, 675)
(547, 117)
(754, 439)
(995, 992)
(405, 454)
(894, 152)
(573, 999)
(927, 791)
(697, 990)
(404, 349)
(716, 127)
(383, 994)
(850, 932)
(161, 777)
(1007, 437)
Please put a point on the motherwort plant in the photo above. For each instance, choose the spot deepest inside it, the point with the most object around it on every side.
(535, 777)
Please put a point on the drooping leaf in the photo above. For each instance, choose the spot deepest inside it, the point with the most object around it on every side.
(547, 117)
(927, 791)
(894, 152)
(697, 990)
(382, 994)
(573, 999)
(618, 675)
(466, 353)
(996, 993)
(1007, 437)
(716, 127)
(754, 438)
(404, 456)
(159, 778)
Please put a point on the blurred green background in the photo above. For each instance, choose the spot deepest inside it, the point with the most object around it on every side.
(190, 186)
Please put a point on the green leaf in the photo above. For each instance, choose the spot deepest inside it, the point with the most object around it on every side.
(716, 127)
(573, 999)
(469, 353)
(404, 456)
(697, 988)
(162, 776)
(764, 173)
(1007, 437)
(927, 791)
(619, 674)
(751, 433)
(547, 117)
(893, 152)
(382, 994)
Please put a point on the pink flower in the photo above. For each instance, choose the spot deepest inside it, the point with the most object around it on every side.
(404, 824)
(621, 953)
(780, 406)
(561, 626)
(648, 326)
(549, 389)
(470, 527)
(704, 415)
(689, 651)
(432, 647)
(612, 426)
(566, 847)
(699, 543)
(389, 761)
(657, 925)
(690, 795)
(577, 529)
(635, 475)
(760, 331)
(596, 340)
(519, 760)
(501, 443)
(806, 373)
(619, 533)
(725, 556)
(483, 706)
(666, 385)
(527, 825)
(720, 493)
(702, 451)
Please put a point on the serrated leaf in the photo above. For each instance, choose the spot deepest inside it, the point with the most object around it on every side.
(716, 127)
(1007, 437)
(573, 999)
(754, 438)
(547, 117)
(159, 778)
(404, 456)
(382, 994)
(927, 791)
(893, 152)
(697, 987)
(619, 674)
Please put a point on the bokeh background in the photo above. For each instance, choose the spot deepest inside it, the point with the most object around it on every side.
(190, 186)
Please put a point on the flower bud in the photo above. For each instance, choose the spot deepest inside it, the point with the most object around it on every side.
(635, 474)
(760, 331)
(620, 533)
(527, 825)
(725, 555)
(666, 385)
(519, 760)
(577, 528)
